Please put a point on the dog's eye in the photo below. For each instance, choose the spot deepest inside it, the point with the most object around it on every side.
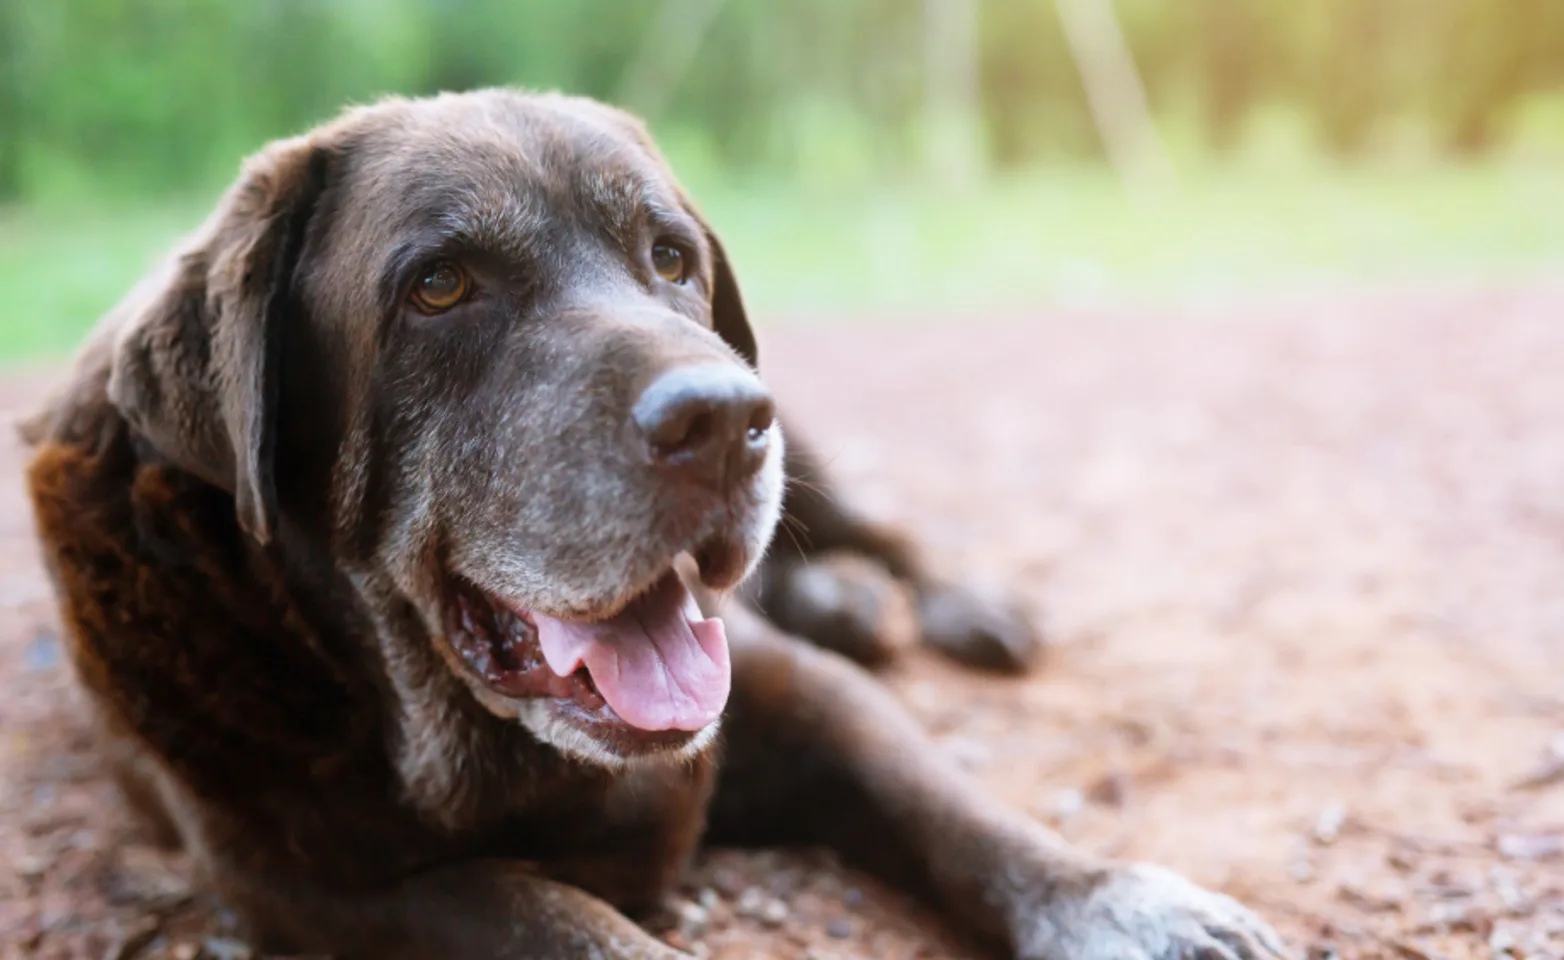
(441, 286)
(670, 263)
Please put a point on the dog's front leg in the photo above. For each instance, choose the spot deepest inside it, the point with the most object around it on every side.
(843, 582)
(495, 910)
(818, 752)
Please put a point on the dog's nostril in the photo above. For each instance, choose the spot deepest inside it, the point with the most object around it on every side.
(699, 430)
(760, 421)
(684, 435)
(709, 422)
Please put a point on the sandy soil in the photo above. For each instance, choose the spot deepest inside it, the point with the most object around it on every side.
(1301, 563)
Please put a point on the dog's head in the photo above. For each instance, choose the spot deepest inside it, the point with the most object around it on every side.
(483, 348)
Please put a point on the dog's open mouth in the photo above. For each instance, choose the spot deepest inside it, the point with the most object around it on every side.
(657, 665)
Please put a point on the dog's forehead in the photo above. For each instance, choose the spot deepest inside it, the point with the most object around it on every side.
(509, 158)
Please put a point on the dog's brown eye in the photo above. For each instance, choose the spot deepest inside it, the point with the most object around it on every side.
(442, 286)
(669, 262)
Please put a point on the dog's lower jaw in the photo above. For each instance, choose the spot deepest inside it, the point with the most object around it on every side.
(544, 722)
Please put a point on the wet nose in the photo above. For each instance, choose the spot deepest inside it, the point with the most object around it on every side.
(709, 423)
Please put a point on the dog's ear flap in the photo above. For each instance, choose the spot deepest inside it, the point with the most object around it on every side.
(195, 369)
(728, 317)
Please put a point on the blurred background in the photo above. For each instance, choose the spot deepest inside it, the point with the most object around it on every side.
(1241, 366)
(878, 156)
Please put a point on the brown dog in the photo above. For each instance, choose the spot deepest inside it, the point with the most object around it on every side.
(379, 518)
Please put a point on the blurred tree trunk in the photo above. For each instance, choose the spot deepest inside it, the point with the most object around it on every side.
(1349, 75)
(1487, 59)
(1229, 43)
(1115, 93)
(12, 120)
(953, 139)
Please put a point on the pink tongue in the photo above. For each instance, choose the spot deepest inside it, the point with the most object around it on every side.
(658, 664)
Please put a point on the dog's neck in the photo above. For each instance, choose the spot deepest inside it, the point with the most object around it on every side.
(458, 764)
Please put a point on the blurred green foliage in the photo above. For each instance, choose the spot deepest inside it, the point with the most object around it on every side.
(803, 126)
(1070, 236)
(115, 96)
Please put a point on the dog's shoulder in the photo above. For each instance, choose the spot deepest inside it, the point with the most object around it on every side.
(183, 632)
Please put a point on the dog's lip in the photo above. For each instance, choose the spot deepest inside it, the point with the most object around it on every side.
(720, 563)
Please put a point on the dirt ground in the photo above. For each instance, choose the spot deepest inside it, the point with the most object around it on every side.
(1302, 568)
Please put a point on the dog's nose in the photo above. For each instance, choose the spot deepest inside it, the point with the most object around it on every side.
(709, 422)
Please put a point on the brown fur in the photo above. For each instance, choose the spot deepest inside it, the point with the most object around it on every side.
(255, 486)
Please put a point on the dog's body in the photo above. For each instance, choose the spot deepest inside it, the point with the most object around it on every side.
(379, 518)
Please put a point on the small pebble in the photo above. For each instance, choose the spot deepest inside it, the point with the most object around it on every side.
(839, 929)
(42, 653)
(1327, 826)
(1301, 870)
(227, 948)
(729, 882)
(1111, 789)
(750, 902)
(1402, 857)
(1508, 888)
(1522, 847)
(774, 913)
(1068, 803)
(966, 753)
(708, 899)
(1452, 916)
(1371, 901)
(852, 897)
(185, 951)
(30, 866)
(692, 918)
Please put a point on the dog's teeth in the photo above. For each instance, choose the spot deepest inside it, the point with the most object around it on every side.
(586, 694)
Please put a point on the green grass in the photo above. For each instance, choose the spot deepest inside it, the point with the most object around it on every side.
(890, 250)
(60, 270)
(1077, 237)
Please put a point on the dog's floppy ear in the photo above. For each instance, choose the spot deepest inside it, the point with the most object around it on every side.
(195, 370)
(727, 305)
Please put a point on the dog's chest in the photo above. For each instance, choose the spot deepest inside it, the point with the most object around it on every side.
(627, 841)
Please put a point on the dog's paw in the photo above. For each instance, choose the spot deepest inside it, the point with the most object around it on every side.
(1144, 912)
(980, 626)
(843, 602)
